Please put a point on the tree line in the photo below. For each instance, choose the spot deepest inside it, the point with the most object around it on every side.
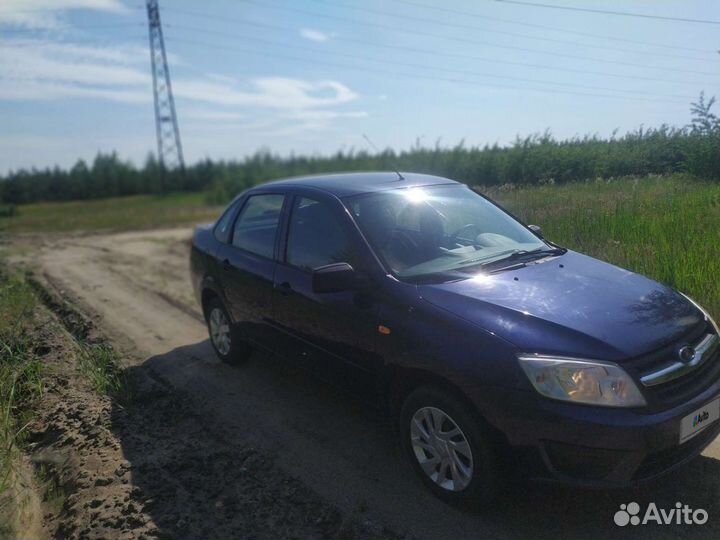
(539, 158)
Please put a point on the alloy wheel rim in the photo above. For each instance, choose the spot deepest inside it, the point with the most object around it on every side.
(220, 331)
(441, 449)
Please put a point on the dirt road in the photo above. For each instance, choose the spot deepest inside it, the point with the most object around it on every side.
(137, 285)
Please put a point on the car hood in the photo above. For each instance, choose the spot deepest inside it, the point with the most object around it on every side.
(571, 305)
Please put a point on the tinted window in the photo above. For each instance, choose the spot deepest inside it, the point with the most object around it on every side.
(257, 225)
(222, 226)
(316, 236)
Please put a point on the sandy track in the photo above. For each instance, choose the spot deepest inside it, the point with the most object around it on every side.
(137, 285)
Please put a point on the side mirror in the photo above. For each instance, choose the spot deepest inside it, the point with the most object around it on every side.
(536, 229)
(331, 278)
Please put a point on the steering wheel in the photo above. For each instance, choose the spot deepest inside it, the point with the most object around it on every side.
(454, 237)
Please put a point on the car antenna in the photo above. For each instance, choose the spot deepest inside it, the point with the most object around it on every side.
(400, 176)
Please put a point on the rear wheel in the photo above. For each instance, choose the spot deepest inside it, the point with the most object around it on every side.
(224, 336)
(448, 448)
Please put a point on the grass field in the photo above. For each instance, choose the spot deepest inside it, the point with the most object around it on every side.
(121, 213)
(665, 227)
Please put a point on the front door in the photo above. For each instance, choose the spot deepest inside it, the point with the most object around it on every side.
(333, 333)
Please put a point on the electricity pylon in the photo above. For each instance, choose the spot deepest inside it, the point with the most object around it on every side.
(170, 152)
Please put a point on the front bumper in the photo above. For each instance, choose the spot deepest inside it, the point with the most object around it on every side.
(596, 446)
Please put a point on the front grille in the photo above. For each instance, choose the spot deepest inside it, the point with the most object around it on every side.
(689, 384)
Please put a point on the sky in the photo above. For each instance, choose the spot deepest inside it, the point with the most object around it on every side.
(313, 76)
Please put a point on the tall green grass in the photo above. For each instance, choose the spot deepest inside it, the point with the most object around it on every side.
(20, 373)
(666, 228)
(100, 365)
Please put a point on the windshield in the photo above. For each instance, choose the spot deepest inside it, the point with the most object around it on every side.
(436, 229)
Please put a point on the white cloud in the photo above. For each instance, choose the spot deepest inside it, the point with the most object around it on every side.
(268, 92)
(42, 70)
(10, 90)
(293, 105)
(314, 35)
(118, 53)
(69, 64)
(46, 13)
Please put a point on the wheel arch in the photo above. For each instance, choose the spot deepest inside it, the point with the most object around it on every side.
(402, 381)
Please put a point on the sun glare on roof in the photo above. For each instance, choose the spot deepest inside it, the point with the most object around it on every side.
(415, 195)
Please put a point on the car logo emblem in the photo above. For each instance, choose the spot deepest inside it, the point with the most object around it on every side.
(686, 354)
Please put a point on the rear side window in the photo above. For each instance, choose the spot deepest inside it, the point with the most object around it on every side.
(316, 236)
(222, 227)
(257, 225)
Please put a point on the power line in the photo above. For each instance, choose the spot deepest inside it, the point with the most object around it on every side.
(386, 61)
(395, 29)
(33, 43)
(395, 73)
(608, 12)
(552, 28)
(73, 27)
(474, 28)
(433, 52)
(54, 10)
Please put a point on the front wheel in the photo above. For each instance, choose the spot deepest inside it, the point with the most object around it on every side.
(224, 336)
(448, 447)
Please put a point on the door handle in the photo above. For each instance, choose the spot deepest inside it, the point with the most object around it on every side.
(285, 288)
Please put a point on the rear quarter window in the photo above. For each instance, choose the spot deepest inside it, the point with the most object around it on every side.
(223, 226)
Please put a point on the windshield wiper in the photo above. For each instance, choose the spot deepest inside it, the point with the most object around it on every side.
(524, 255)
(529, 255)
(514, 255)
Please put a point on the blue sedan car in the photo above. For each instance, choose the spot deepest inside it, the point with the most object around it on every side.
(494, 348)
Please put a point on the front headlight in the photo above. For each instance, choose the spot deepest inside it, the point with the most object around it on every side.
(704, 312)
(581, 381)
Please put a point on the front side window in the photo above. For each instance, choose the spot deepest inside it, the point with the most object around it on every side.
(316, 236)
(437, 229)
(257, 225)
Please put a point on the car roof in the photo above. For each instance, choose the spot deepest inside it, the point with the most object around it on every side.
(347, 184)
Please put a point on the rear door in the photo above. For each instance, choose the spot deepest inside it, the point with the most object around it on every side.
(247, 265)
(333, 333)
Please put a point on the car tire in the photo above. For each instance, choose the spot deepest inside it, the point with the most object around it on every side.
(461, 469)
(225, 338)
